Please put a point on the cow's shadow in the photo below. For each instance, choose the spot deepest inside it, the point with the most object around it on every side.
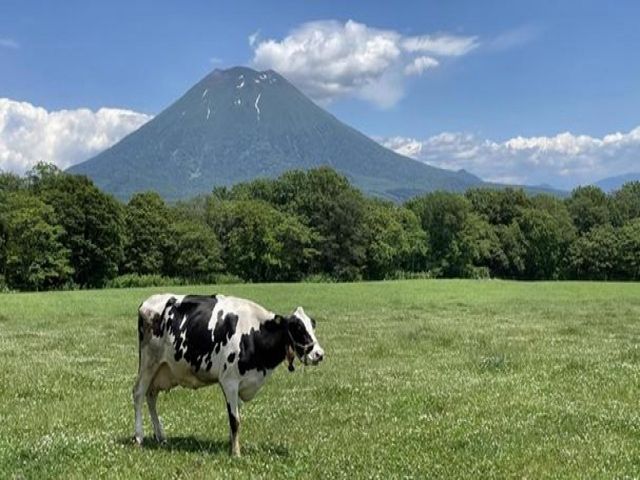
(193, 444)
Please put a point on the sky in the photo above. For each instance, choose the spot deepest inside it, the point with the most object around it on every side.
(532, 92)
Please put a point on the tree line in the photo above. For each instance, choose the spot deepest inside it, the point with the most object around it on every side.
(60, 231)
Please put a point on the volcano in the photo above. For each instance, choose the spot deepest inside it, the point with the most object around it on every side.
(240, 124)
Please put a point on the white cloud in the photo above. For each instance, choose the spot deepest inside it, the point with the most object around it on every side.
(564, 160)
(443, 45)
(30, 134)
(330, 59)
(420, 64)
(253, 38)
(514, 38)
(409, 147)
(9, 43)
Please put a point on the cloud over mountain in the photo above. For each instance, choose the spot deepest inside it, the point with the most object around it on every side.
(330, 59)
(30, 134)
(564, 160)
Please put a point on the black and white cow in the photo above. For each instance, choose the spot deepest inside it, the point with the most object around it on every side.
(194, 341)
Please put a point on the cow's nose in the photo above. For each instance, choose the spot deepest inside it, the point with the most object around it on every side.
(319, 356)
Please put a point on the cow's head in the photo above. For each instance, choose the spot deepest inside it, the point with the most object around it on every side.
(301, 330)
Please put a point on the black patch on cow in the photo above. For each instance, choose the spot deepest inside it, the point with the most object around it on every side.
(162, 323)
(231, 357)
(224, 367)
(263, 349)
(299, 335)
(198, 342)
(233, 421)
(224, 330)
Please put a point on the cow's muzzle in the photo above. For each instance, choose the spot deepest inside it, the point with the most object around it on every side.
(315, 356)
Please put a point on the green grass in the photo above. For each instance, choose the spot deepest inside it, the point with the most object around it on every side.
(422, 379)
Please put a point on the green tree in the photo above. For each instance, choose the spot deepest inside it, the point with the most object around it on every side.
(261, 243)
(34, 256)
(443, 215)
(498, 206)
(548, 231)
(148, 237)
(629, 236)
(195, 252)
(588, 207)
(10, 182)
(596, 254)
(626, 203)
(395, 240)
(513, 245)
(481, 249)
(324, 201)
(92, 222)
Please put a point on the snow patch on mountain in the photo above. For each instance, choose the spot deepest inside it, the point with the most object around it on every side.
(256, 105)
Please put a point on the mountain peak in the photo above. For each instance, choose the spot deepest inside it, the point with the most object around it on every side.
(240, 70)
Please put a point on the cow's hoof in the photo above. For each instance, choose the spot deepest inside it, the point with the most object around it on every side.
(137, 441)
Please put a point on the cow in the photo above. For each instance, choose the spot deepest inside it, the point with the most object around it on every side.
(194, 341)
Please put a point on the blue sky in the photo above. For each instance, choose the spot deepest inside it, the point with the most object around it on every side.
(528, 70)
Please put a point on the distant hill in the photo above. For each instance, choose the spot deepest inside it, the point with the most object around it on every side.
(239, 124)
(614, 183)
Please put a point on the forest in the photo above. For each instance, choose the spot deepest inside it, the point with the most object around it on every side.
(59, 231)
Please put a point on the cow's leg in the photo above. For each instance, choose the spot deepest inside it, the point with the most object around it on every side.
(139, 391)
(152, 398)
(230, 390)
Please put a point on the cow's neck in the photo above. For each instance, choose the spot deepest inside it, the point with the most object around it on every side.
(264, 349)
(275, 344)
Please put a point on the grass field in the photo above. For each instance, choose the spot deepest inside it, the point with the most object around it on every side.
(422, 379)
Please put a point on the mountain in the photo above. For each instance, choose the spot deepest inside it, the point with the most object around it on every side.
(611, 184)
(239, 124)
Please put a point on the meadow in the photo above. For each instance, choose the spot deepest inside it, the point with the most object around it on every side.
(422, 379)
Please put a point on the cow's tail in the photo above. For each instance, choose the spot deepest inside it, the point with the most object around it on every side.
(140, 337)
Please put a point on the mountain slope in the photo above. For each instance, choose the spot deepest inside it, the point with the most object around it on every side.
(239, 124)
(611, 184)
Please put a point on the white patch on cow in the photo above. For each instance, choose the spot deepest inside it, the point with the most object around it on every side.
(182, 322)
(155, 304)
(317, 351)
(256, 105)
